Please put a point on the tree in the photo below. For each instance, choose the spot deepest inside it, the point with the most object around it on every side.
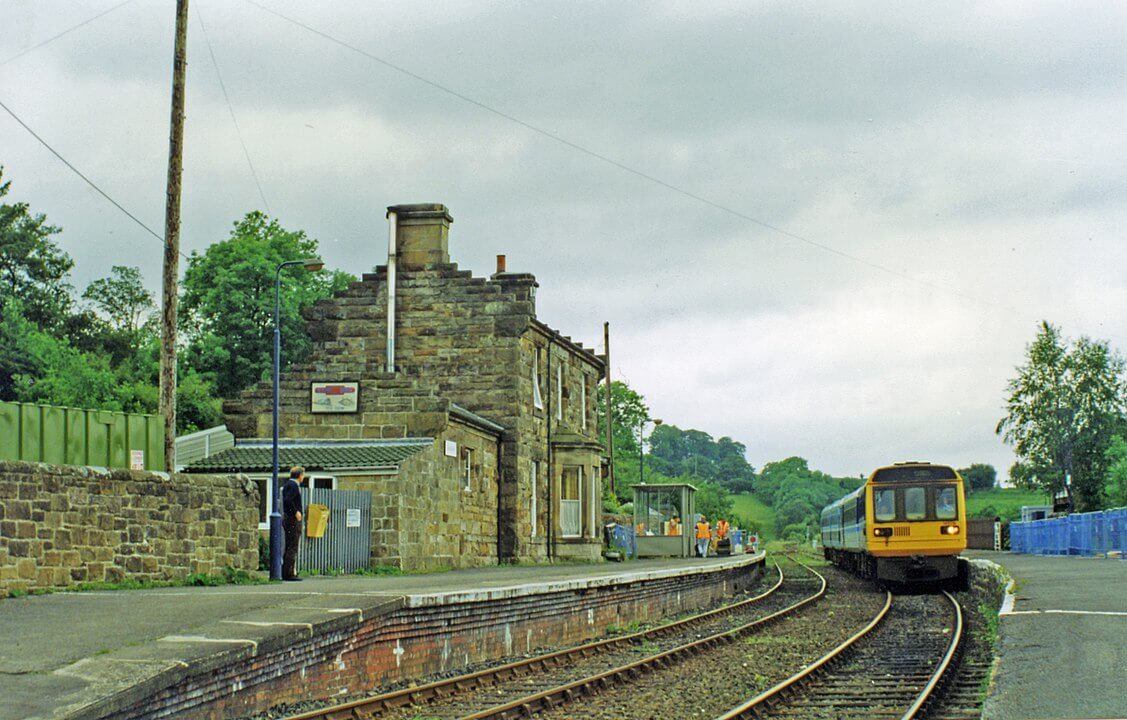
(1116, 485)
(628, 410)
(32, 268)
(979, 476)
(122, 298)
(1061, 411)
(227, 306)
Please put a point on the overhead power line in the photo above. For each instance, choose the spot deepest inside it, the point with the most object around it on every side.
(53, 38)
(615, 163)
(230, 109)
(79, 173)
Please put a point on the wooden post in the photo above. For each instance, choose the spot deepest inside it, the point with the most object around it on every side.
(610, 430)
(172, 240)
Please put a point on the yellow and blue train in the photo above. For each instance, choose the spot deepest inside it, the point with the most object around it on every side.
(906, 524)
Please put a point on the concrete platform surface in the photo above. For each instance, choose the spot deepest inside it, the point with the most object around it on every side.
(1062, 640)
(66, 654)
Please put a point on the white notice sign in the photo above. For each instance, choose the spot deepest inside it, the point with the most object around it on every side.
(352, 518)
(136, 459)
(451, 448)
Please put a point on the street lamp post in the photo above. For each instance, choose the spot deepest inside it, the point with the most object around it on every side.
(312, 264)
(642, 447)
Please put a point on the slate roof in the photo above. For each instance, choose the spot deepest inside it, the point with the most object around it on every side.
(254, 456)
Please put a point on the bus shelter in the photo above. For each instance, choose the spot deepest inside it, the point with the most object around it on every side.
(664, 517)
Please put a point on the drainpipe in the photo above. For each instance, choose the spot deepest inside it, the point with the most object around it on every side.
(500, 474)
(392, 219)
(551, 474)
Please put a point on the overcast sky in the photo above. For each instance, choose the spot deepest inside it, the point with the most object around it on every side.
(863, 211)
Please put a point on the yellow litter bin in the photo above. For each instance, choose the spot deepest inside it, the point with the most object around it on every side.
(318, 520)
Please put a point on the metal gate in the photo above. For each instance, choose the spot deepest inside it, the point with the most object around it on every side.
(346, 545)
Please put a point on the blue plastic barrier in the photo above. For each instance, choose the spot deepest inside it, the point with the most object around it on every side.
(622, 537)
(1094, 533)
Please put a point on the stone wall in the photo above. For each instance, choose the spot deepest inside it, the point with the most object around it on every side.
(65, 524)
(424, 517)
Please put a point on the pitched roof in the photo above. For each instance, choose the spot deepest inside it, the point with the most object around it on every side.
(254, 456)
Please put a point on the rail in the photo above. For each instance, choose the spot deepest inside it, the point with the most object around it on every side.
(376, 704)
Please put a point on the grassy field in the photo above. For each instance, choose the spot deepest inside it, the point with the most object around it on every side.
(751, 509)
(1004, 502)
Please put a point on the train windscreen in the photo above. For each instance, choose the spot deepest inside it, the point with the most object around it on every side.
(913, 474)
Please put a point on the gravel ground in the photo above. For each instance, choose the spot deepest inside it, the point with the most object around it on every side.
(706, 686)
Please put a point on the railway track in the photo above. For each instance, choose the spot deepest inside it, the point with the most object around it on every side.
(545, 681)
(891, 668)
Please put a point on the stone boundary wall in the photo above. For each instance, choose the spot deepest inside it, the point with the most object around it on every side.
(66, 524)
(421, 636)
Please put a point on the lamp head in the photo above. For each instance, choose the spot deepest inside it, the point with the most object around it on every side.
(657, 422)
(313, 264)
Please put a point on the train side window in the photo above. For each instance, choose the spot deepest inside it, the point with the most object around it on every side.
(945, 504)
(884, 503)
(915, 503)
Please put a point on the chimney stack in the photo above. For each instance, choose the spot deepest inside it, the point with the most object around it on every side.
(500, 264)
(422, 234)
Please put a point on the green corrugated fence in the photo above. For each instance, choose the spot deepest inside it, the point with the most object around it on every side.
(73, 436)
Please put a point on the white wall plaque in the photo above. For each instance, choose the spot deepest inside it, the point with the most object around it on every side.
(451, 448)
(352, 518)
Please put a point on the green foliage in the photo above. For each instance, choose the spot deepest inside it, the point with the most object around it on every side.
(1063, 407)
(32, 268)
(1115, 487)
(694, 454)
(227, 307)
(979, 476)
(712, 500)
(122, 298)
(798, 493)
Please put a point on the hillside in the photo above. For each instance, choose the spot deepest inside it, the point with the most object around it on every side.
(753, 510)
(1005, 503)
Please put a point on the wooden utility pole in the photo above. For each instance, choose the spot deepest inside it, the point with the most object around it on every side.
(172, 239)
(610, 430)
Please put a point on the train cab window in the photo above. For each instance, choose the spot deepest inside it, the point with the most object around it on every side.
(915, 503)
(945, 504)
(884, 503)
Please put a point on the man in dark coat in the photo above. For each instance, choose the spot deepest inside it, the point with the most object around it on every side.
(291, 522)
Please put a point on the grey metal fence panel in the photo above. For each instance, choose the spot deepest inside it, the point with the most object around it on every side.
(343, 548)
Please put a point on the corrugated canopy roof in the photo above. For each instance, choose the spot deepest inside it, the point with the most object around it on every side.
(257, 456)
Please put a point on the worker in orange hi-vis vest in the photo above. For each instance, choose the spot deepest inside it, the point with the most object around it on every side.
(704, 535)
(721, 529)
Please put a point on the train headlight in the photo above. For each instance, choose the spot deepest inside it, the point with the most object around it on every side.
(882, 532)
(949, 530)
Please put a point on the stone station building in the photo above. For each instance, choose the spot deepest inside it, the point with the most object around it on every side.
(497, 408)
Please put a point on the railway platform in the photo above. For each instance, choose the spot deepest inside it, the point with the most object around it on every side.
(230, 650)
(1062, 639)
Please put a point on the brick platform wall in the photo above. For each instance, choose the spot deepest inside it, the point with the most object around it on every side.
(349, 654)
(63, 524)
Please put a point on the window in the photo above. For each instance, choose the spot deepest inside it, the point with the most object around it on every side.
(915, 503)
(583, 403)
(537, 401)
(467, 467)
(945, 503)
(559, 392)
(884, 502)
(322, 482)
(535, 481)
(571, 502)
(265, 502)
